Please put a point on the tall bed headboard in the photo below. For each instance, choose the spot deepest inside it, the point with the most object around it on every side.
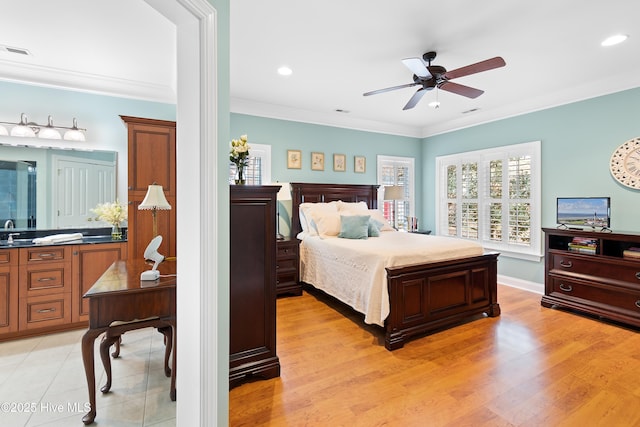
(315, 193)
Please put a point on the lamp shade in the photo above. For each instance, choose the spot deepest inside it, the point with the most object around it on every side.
(48, 132)
(155, 199)
(74, 134)
(393, 192)
(22, 129)
(285, 191)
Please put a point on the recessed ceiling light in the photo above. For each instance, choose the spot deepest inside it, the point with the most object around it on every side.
(613, 40)
(340, 110)
(473, 110)
(434, 104)
(285, 71)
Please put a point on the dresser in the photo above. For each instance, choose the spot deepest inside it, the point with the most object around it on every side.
(287, 276)
(593, 272)
(252, 293)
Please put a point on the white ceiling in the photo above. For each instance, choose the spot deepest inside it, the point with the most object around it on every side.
(338, 50)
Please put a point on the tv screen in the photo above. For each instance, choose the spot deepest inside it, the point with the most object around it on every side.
(584, 211)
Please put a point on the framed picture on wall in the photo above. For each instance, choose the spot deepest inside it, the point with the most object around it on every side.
(294, 159)
(359, 164)
(317, 161)
(339, 162)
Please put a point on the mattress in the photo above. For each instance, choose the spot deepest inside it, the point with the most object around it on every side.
(353, 270)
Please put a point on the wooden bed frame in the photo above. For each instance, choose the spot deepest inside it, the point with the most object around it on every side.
(422, 297)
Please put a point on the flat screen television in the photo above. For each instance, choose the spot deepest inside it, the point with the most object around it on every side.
(584, 212)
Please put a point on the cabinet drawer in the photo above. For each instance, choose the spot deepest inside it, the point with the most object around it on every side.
(7, 256)
(45, 254)
(45, 279)
(596, 267)
(598, 296)
(286, 264)
(44, 311)
(287, 250)
(287, 278)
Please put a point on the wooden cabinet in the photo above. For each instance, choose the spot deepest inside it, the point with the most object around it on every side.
(41, 287)
(45, 286)
(89, 262)
(287, 277)
(152, 159)
(252, 341)
(8, 290)
(587, 271)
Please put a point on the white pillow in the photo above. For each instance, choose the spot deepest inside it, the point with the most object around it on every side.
(326, 223)
(305, 211)
(379, 216)
(352, 206)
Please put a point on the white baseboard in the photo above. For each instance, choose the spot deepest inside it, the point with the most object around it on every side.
(525, 285)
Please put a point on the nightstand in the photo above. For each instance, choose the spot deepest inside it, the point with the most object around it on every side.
(287, 267)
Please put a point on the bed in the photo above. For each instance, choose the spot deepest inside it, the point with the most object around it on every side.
(421, 297)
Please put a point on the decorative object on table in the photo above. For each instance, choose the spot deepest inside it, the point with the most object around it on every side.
(625, 163)
(113, 213)
(154, 201)
(284, 194)
(294, 159)
(151, 253)
(359, 164)
(239, 156)
(393, 193)
(412, 223)
(317, 161)
(339, 162)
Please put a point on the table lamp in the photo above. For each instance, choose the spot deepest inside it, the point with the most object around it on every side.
(394, 193)
(284, 194)
(155, 200)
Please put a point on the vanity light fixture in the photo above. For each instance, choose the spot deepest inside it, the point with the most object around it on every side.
(285, 71)
(28, 129)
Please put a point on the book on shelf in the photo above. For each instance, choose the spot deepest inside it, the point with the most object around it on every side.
(630, 253)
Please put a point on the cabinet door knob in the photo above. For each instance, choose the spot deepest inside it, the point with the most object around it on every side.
(638, 275)
(566, 288)
(567, 264)
(638, 303)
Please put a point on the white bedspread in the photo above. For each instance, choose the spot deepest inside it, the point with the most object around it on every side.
(353, 271)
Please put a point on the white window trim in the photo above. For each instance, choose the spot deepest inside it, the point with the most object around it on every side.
(532, 252)
(263, 151)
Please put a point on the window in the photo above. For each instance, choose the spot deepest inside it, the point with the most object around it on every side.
(398, 171)
(258, 170)
(492, 196)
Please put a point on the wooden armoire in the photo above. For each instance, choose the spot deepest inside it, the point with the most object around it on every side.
(152, 159)
(252, 340)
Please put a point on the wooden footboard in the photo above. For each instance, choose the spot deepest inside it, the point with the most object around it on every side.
(427, 297)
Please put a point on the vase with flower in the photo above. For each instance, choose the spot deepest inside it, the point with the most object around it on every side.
(113, 213)
(239, 156)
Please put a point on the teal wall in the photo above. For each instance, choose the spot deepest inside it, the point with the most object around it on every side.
(285, 135)
(577, 142)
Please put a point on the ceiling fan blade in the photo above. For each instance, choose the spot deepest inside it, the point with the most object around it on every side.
(478, 67)
(417, 67)
(415, 98)
(459, 89)
(374, 92)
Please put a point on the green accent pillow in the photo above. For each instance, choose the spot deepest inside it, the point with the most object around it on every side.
(354, 226)
(374, 227)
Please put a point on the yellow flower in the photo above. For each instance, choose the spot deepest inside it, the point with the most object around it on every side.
(113, 213)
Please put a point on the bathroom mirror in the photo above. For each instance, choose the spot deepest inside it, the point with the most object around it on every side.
(47, 188)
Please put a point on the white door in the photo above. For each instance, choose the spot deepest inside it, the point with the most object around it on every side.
(81, 185)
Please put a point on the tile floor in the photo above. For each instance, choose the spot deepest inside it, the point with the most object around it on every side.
(42, 383)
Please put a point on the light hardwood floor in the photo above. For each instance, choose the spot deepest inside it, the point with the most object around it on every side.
(531, 366)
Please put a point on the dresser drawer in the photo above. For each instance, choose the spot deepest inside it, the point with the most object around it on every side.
(625, 271)
(38, 255)
(44, 311)
(287, 250)
(286, 264)
(596, 295)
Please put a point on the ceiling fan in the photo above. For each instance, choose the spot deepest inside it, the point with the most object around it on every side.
(430, 76)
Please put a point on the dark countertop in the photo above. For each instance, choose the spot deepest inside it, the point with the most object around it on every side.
(25, 238)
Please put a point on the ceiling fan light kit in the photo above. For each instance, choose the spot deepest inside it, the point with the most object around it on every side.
(435, 76)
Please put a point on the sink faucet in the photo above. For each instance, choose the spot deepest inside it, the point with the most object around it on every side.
(8, 224)
(10, 238)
